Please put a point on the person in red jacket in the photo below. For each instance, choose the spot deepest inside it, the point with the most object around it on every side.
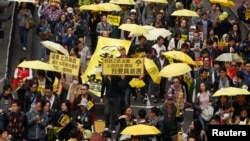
(21, 81)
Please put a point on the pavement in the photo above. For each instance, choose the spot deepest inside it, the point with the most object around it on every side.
(11, 52)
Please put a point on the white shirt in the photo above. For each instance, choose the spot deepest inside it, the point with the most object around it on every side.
(158, 49)
(52, 99)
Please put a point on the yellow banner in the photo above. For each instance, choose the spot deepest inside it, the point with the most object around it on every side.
(122, 66)
(247, 13)
(106, 48)
(113, 20)
(65, 64)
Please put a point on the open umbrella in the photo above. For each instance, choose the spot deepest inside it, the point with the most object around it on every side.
(134, 28)
(109, 7)
(147, 27)
(136, 83)
(157, 1)
(152, 70)
(231, 91)
(225, 3)
(229, 57)
(55, 47)
(38, 65)
(185, 12)
(91, 7)
(156, 32)
(175, 69)
(179, 55)
(123, 2)
(140, 129)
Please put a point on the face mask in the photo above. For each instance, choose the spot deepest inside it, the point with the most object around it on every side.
(45, 3)
(75, 82)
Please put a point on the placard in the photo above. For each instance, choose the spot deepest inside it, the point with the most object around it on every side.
(123, 66)
(113, 20)
(65, 64)
(247, 13)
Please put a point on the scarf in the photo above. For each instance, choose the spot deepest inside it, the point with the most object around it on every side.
(223, 83)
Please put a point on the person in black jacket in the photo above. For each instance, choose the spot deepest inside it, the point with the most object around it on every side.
(111, 99)
(241, 12)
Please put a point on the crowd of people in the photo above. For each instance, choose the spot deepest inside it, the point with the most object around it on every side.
(50, 105)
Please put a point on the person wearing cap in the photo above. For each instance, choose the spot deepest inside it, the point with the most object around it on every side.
(82, 118)
(168, 110)
(84, 95)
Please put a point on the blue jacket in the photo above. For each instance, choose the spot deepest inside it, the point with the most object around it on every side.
(36, 130)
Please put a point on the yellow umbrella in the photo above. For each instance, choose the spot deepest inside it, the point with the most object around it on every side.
(38, 65)
(175, 69)
(152, 70)
(229, 57)
(147, 27)
(109, 7)
(154, 33)
(136, 29)
(92, 7)
(156, 1)
(225, 3)
(185, 12)
(136, 83)
(179, 55)
(140, 129)
(123, 2)
(55, 47)
(231, 91)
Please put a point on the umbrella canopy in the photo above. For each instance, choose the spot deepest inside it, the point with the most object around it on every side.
(225, 3)
(109, 7)
(123, 2)
(140, 129)
(136, 83)
(55, 47)
(155, 33)
(179, 55)
(231, 91)
(92, 7)
(185, 12)
(152, 70)
(229, 57)
(38, 65)
(156, 1)
(147, 27)
(175, 69)
(134, 28)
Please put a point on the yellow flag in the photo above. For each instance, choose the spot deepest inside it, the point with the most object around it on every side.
(106, 48)
(90, 105)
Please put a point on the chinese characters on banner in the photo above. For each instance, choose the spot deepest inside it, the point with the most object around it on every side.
(65, 64)
(106, 48)
(123, 66)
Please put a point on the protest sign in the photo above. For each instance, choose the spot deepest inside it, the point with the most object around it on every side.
(113, 20)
